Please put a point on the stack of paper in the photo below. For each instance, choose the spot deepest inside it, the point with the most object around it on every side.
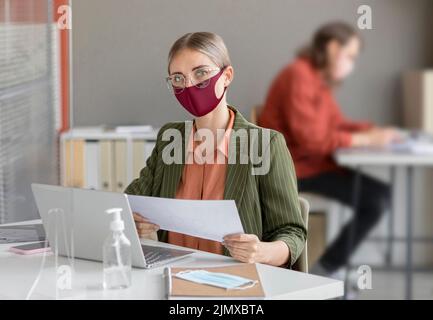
(134, 129)
(415, 143)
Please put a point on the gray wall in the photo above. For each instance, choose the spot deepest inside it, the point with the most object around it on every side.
(120, 49)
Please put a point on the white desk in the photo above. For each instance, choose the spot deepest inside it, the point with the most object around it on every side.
(358, 157)
(17, 274)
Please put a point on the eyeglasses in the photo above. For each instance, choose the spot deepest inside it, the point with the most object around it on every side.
(199, 78)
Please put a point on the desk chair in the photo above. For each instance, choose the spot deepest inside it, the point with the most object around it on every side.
(254, 113)
(302, 263)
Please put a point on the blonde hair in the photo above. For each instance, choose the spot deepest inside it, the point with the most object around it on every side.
(208, 43)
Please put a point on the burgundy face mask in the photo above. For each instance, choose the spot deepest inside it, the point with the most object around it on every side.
(200, 101)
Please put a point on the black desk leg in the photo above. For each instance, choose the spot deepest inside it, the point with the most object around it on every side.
(355, 201)
(409, 231)
(388, 255)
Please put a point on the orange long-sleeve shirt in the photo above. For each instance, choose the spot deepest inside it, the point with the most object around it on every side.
(302, 107)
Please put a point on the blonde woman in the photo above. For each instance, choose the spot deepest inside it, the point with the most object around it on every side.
(199, 74)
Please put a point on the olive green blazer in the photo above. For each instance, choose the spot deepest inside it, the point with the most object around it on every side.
(268, 204)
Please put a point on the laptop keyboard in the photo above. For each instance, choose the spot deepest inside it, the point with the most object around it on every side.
(155, 254)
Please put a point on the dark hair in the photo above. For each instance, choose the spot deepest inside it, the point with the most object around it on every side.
(316, 51)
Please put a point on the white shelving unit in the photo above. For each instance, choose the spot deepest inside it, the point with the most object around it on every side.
(99, 135)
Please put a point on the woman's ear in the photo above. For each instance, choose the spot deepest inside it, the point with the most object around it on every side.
(228, 73)
(333, 48)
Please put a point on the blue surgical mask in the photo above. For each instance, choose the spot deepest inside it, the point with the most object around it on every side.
(216, 279)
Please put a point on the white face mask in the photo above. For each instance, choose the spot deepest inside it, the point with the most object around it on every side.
(343, 68)
(216, 279)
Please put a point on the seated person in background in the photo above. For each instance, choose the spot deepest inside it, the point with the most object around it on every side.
(301, 105)
(199, 74)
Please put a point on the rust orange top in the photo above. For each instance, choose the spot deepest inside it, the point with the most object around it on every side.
(204, 181)
(302, 107)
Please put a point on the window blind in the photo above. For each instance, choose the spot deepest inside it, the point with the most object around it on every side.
(28, 99)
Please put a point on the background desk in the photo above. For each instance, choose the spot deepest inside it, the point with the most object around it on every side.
(367, 157)
(17, 274)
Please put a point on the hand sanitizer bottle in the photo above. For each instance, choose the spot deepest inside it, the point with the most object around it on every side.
(116, 254)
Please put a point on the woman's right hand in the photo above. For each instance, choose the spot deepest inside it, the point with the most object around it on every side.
(376, 137)
(145, 229)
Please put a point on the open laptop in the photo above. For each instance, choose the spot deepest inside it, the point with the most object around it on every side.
(81, 225)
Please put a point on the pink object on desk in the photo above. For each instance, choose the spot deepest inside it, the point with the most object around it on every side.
(32, 248)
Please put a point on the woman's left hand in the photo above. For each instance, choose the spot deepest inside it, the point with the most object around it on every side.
(245, 248)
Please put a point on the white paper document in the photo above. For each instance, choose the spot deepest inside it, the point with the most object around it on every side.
(414, 147)
(416, 142)
(208, 219)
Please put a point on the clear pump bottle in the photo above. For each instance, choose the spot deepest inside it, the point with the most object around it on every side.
(116, 254)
